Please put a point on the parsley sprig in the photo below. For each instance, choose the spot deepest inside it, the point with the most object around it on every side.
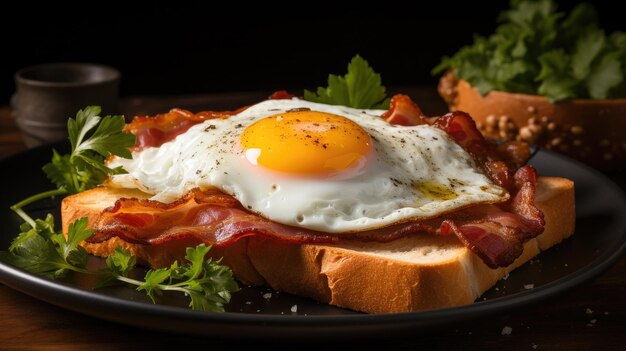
(83, 168)
(361, 87)
(40, 249)
(538, 50)
(208, 284)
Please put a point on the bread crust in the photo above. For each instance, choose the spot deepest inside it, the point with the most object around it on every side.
(413, 273)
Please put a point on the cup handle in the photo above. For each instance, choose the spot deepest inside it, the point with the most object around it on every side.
(13, 103)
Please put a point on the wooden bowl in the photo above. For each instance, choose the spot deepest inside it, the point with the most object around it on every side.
(592, 131)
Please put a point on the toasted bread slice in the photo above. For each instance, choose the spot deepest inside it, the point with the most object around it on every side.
(414, 273)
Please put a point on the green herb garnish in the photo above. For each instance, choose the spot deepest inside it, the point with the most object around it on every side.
(83, 168)
(42, 250)
(537, 50)
(361, 87)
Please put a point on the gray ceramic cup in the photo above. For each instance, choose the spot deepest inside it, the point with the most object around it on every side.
(48, 94)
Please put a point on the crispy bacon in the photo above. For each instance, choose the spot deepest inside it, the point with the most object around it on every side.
(211, 216)
(216, 219)
(403, 111)
(462, 128)
(159, 129)
(280, 95)
(496, 233)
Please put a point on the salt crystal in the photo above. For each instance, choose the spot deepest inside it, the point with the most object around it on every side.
(593, 321)
(534, 346)
(267, 296)
(589, 311)
(294, 308)
(507, 330)
(529, 286)
(506, 276)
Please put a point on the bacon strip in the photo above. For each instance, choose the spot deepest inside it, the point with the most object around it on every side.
(281, 95)
(404, 112)
(216, 219)
(211, 216)
(496, 233)
(159, 129)
(153, 131)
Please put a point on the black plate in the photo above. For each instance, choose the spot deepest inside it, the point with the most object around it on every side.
(598, 242)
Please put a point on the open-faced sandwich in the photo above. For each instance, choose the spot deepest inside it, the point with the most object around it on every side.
(376, 210)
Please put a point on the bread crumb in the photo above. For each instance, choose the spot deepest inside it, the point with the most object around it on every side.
(294, 308)
(506, 330)
(529, 286)
(267, 296)
(589, 311)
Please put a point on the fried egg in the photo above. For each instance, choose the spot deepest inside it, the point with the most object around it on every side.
(328, 168)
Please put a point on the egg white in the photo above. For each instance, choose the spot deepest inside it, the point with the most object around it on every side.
(386, 191)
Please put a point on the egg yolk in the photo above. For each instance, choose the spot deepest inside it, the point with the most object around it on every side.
(307, 143)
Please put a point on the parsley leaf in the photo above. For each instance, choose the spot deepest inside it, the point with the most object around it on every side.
(207, 283)
(538, 50)
(607, 75)
(84, 168)
(41, 250)
(588, 46)
(68, 247)
(361, 87)
(152, 282)
(121, 262)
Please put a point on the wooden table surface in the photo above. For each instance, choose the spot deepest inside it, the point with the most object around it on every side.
(590, 317)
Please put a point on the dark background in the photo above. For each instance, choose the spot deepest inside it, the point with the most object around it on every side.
(191, 47)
